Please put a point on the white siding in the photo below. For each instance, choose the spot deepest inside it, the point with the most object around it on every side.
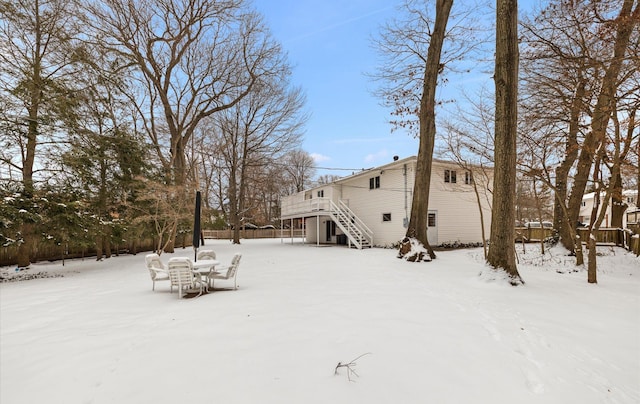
(628, 196)
(458, 218)
(457, 207)
(371, 204)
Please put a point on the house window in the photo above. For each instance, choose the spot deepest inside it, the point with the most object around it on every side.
(431, 220)
(386, 217)
(374, 182)
(584, 204)
(321, 194)
(468, 179)
(450, 176)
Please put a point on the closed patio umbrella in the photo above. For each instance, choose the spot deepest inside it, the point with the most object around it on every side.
(196, 226)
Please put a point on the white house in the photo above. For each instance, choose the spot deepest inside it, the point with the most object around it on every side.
(372, 207)
(628, 196)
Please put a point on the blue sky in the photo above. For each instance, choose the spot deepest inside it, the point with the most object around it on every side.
(329, 45)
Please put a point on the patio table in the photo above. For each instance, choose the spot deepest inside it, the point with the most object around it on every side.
(206, 268)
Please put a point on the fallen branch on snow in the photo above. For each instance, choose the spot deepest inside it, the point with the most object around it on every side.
(350, 365)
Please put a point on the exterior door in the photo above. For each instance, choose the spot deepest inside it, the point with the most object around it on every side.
(328, 230)
(432, 228)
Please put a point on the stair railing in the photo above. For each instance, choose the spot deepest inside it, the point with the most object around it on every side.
(353, 225)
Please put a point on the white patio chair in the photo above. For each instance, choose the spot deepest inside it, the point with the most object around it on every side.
(206, 255)
(156, 269)
(231, 271)
(182, 276)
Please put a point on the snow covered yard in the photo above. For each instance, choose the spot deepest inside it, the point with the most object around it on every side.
(436, 332)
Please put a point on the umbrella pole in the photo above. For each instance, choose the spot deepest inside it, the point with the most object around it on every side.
(196, 227)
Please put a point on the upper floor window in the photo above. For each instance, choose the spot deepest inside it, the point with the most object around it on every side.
(321, 193)
(450, 176)
(374, 182)
(386, 217)
(468, 178)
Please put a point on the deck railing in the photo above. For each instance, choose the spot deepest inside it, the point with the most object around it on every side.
(294, 208)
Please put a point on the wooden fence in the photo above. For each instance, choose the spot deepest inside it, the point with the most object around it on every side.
(634, 244)
(46, 251)
(632, 238)
(531, 234)
(605, 236)
(253, 233)
(613, 236)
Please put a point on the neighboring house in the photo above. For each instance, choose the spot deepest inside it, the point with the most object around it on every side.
(372, 207)
(628, 196)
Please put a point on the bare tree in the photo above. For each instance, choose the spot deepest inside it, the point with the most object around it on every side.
(269, 187)
(256, 131)
(327, 179)
(612, 160)
(427, 117)
(162, 207)
(193, 58)
(502, 242)
(626, 22)
(622, 136)
(469, 143)
(300, 169)
(579, 55)
(558, 87)
(411, 75)
(537, 162)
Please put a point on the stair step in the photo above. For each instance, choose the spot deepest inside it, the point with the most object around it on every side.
(350, 224)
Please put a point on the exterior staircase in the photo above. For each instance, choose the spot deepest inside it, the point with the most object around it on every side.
(358, 234)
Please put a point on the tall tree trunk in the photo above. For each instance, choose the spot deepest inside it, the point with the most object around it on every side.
(180, 164)
(233, 204)
(598, 212)
(618, 204)
(99, 244)
(502, 245)
(35, 98)
(638, 177)
(594, 225)
(626, 21)
(107, 241)
(101, 205)
(562, 173)
(592, 273)
(420, 205)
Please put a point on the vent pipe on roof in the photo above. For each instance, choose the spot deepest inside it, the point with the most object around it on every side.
(395, 158)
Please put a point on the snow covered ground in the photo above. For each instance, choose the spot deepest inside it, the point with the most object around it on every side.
(430, 332)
